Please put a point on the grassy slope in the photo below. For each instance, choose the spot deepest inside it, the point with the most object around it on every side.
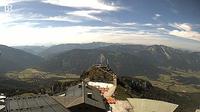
(171, 83)
(31, 80)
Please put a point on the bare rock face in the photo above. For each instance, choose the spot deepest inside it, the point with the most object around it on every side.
(99, 73)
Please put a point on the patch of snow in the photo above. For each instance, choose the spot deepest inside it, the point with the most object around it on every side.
(2, 97)
(166, 54)
(2, 106)
(62, 94)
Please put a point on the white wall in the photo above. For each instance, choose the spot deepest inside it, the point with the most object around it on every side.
(103, 85)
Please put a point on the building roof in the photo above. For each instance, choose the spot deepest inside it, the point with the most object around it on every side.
(81, 94)
(74, 96)
(148, 105)
(198, 110)
(40, 103)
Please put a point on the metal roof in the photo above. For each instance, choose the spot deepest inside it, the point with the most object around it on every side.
(41, 103)
(79, 95)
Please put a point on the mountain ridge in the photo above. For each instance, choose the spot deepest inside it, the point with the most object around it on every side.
(126, 59)
(15, 59)
(57, 49)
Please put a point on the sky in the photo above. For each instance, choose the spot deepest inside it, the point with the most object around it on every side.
(174, 23)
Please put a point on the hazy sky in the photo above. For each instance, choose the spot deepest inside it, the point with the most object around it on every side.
(35, 22)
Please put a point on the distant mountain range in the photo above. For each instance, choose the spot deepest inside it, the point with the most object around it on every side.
(51, 51)
(124, 59)
(36, 50)
(14, 59)
(57, 49)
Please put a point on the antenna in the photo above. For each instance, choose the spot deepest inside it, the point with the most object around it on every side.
(107, 63)
(102, 59)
